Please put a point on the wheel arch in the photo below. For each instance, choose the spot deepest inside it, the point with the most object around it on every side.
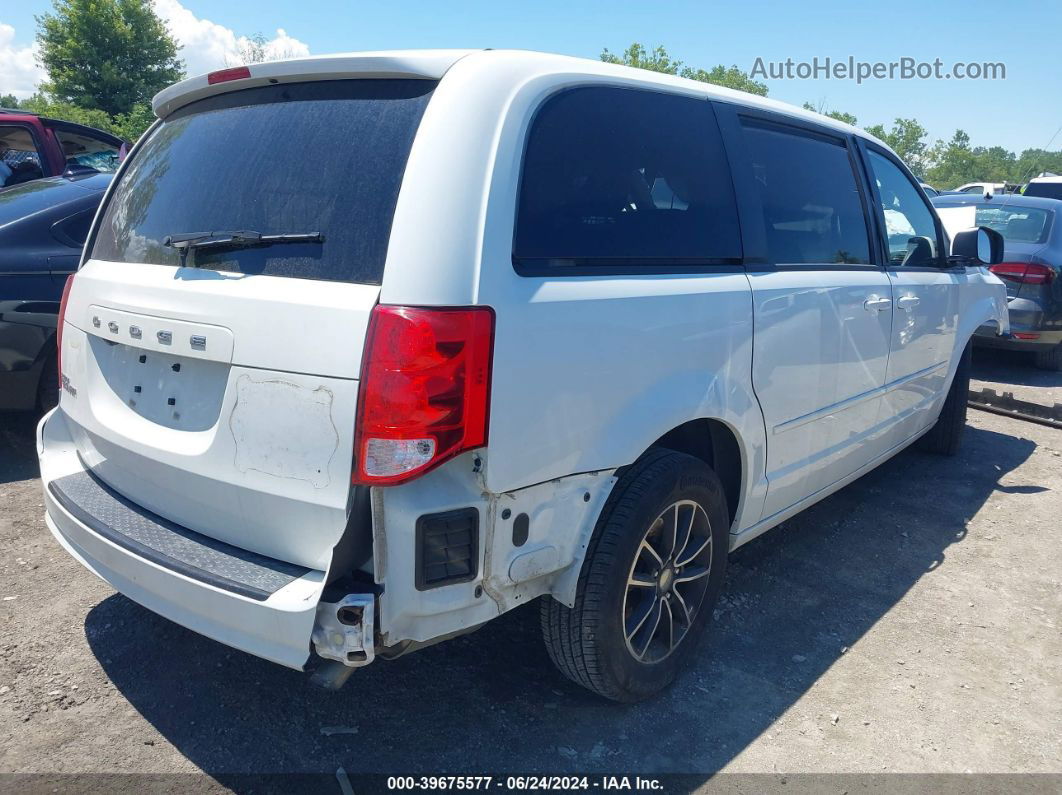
(716, 444)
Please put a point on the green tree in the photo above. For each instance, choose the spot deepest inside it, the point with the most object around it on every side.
(106, 55)
(8, 101)
(1033, 162)
(658, 60)
(132, 125)
(908, 139)
(839, 115)
(952, 162)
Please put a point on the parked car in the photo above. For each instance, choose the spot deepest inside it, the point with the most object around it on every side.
(1045, 187)
(929, 189)
(43, 225)
(1032, 255)
(32, 147)
(536, 348)
(987, 188)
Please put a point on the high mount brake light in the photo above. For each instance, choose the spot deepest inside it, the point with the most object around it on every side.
(225, 75)
(425, 390)
(59, 327)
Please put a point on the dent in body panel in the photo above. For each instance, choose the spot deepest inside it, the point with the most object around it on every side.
(283, 429)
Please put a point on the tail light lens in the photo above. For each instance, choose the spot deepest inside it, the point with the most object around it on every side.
(59, 327)
(425, 390)
(1024, 273)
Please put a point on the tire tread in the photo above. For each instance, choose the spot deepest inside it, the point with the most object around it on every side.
(569, 632)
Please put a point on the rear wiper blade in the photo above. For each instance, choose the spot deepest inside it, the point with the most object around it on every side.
(246, 238)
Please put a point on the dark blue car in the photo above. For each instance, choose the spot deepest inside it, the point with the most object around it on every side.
(43, 225)
(1031, 267)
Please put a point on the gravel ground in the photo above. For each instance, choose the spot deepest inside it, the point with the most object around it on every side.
(908, 623)
(1009, 371)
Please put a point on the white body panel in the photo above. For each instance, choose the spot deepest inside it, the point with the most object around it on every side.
(821, 351)
(248, 451)
(588, 372)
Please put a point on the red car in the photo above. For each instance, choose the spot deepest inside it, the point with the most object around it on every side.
(32, 147)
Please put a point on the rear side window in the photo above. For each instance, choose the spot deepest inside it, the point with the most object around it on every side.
(812, 210)
(323, 157)
(85, 152)
(624, 179)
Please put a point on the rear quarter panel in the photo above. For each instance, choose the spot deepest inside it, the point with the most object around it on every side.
(587, 371)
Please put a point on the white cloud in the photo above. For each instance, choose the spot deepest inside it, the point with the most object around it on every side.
(206, 45)
(19, 73)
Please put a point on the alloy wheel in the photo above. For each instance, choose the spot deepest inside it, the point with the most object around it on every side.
(667, 581)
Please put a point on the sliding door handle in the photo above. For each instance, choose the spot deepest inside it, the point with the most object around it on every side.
(908, 302)
(876, 304)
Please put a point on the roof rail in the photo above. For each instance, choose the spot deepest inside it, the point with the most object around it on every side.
(17, 110)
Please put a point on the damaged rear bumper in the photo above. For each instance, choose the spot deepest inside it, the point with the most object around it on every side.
(272, 617)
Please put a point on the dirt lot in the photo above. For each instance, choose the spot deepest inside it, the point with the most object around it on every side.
(908, 623)
(1007, 371)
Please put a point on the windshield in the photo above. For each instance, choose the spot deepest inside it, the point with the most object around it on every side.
(326, 157)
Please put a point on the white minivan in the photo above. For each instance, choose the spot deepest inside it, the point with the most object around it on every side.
(366, 350)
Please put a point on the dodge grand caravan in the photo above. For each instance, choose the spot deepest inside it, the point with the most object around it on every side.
(367, 350)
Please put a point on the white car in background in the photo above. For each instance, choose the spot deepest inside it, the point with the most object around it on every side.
(366, 350)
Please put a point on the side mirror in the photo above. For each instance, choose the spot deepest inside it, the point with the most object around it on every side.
(980, 246)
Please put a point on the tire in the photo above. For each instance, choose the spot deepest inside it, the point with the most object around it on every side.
(48, 386)
(590, 643)
(1051, 359)
(945, 437)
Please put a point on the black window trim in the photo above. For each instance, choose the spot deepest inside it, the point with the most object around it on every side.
(865, 148)
(84, 130)
(780, 122)
(530, 267)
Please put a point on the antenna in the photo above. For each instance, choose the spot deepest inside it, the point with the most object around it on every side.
(1029, 174)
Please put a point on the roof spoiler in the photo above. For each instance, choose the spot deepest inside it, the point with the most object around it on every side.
(427, 66)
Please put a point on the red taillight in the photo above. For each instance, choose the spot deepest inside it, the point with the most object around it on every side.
(425, 390)
(225, 75)
(59, 327)
(1024, 273)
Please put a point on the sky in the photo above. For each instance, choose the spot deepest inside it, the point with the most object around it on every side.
(1018, 112)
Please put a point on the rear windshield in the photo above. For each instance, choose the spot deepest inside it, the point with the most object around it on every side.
(324, 157)
(1048, 190)
(1016, 224)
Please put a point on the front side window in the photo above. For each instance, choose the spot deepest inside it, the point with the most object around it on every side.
(911, 232)
(812, 210)
(622, 177)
